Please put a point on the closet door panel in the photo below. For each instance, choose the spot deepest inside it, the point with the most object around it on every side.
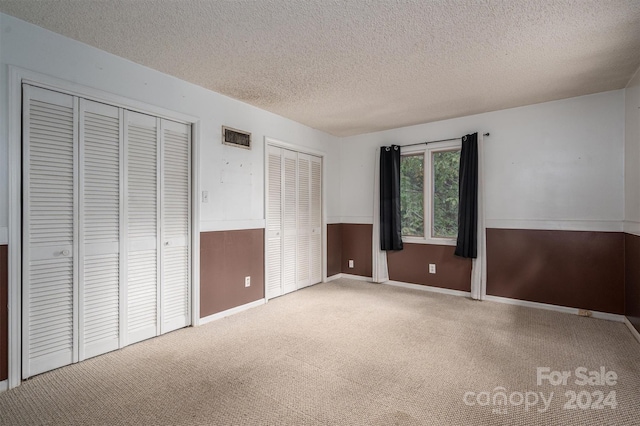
(176, 225)
(274, 223)
(100, 158)
(142, 141)
(290, 220)
(49, 230)
(304, 221)
(316, 220)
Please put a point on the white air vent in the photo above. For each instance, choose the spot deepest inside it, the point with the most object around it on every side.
(235, 137)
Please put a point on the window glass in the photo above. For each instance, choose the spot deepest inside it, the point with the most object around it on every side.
(445, 166)
(412, 195)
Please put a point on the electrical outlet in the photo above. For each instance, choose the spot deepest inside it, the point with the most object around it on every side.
(350, 263)
(247, 281)
(432, 268)
(205, 196)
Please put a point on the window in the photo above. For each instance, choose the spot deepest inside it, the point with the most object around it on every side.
(429, 193)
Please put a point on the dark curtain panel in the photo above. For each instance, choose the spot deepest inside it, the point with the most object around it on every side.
(390, 216)
(468, 204)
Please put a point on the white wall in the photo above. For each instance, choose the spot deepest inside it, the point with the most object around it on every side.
(555, 165)
(234, 177)
(632, 156)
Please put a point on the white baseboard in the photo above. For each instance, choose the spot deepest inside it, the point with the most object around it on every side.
(231, 311)
(356, 277)
(632, 329)
(429, 288)
(333, 277)
(555, 308)
(4, 385)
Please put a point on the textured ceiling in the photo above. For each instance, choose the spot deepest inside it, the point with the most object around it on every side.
(350, 67)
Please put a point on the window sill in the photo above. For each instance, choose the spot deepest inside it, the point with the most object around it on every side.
(431, 241)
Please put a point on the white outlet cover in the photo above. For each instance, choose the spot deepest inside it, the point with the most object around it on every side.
(350, 263)
(432, 268)
(247, 281)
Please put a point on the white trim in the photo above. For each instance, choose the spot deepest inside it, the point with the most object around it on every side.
(557, 224)
(357, 220)
(14, 127)
(232, 225)
(56, 84)
(332, 220)
(231, 311)
(429, 288)
(4, 385)
(356, 277)
(333, 278)
(429, 241)
(292, 146)
(631, 227)
(632, 329)
(555, 308)
(18, 76)
(196, 129)
(4, 235)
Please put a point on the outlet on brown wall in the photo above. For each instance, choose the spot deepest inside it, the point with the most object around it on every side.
(411, 265)
(356, 246)
(226, 258)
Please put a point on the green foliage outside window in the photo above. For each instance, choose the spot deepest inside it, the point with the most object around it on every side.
(412, 195)
(446, 166)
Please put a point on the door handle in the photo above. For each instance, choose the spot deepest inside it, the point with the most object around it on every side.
(65, 252)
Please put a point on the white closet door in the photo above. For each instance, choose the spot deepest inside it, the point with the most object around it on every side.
(142, 157)
(290, 222)
(304, 220)
(176, 225)
(274, 222)
(316, 220)
(100, 213)
(49, 230)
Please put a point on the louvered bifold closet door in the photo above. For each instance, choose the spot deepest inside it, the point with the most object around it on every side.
(176, 225)
(101, 143)
(290, 221)
(49, 232)
(274, 222)
(304, 220)
(316, 220)
(142, 159)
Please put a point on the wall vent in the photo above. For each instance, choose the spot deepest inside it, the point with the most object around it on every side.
(235, 137)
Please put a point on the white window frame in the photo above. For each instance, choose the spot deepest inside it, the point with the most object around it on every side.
(427, 151)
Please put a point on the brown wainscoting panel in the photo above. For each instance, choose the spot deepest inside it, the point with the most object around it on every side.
(226, 258)
(579, 269)
(4, 315)
(411, 265)
(632, 279)
(334, 249)
(356, 245)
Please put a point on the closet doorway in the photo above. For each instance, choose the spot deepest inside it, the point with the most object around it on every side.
(294, 236)
(106, 235)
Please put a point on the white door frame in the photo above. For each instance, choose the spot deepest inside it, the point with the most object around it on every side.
(268, 141)
(18, 76)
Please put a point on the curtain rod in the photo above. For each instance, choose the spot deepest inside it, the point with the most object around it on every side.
(441, 140)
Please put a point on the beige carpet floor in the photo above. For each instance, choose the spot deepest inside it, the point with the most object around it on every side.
(348, 353)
